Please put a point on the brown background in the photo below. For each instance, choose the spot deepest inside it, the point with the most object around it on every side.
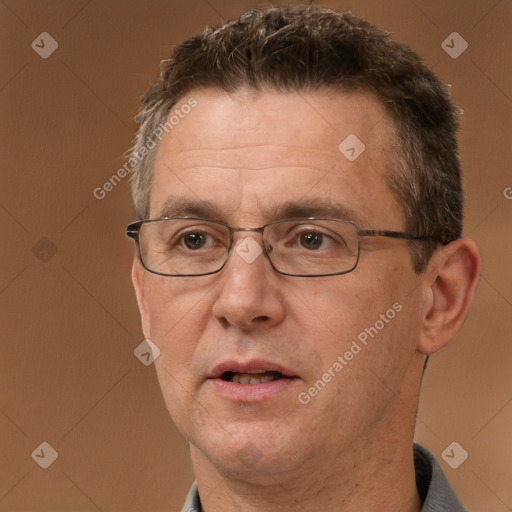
(69, 325)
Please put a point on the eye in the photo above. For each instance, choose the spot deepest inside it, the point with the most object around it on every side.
(197, 240)
(311, 240)
(324, 238)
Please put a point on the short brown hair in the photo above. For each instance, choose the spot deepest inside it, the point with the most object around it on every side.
(310, 48)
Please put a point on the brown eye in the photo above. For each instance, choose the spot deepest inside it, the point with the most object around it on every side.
(195, 240)
(311, 240)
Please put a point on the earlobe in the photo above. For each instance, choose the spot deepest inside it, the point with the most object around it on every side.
(454, 275)
(138, 284)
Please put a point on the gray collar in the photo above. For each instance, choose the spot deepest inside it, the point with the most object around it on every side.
(432, 484)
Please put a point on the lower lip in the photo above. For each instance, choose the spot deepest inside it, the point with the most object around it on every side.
(251, 392)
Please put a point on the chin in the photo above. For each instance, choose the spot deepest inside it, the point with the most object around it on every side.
(253, 451)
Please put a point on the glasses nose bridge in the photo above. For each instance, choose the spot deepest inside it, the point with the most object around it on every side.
(233, 230)
(246, 230)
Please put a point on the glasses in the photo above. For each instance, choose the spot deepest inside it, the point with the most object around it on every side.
(295, 247)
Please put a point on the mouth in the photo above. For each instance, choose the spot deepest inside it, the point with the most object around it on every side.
(252, 377)
(251, 381)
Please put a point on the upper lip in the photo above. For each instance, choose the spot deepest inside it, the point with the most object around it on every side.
(247, 366)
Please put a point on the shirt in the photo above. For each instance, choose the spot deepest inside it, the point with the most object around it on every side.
(433, 488)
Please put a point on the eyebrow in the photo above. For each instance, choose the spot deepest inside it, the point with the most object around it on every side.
(323, 208)
(320, 208)
(183, 207)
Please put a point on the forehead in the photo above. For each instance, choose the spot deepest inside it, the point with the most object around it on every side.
(251, 151)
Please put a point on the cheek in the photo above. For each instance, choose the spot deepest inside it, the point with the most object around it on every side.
(340, 307)
(363, 367)
(368, 322)
(178, 314)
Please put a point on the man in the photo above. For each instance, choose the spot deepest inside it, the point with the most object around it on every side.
(299, 258)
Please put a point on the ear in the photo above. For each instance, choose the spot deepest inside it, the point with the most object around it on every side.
(452, 278)
(138, 276)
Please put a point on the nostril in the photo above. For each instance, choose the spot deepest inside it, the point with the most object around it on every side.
(261, 319)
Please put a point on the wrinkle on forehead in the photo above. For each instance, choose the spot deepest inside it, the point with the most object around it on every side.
(261, 157)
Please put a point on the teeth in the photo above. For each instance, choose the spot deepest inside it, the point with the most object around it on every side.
(251, 378)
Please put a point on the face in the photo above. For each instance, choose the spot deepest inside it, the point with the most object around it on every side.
(341, 346)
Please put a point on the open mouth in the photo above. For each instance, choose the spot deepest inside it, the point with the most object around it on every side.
(251, 381)
(252, 376)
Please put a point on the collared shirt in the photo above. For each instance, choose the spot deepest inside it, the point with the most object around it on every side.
(433, 488)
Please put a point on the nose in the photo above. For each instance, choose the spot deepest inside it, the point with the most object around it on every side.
(249, 293)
